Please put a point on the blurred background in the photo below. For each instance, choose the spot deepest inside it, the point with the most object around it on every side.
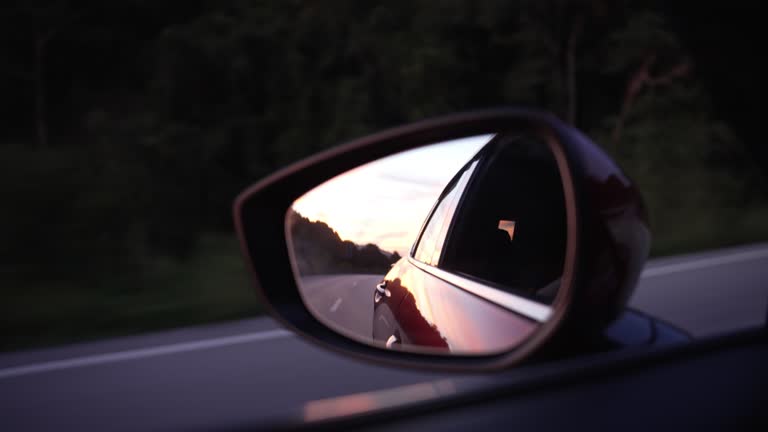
(128, 127)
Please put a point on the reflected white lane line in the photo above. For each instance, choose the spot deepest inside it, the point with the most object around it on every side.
(336, 304)
(386, 323)
(143, 353)
(704, 263)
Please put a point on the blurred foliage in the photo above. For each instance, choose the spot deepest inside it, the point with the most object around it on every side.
(130, 126)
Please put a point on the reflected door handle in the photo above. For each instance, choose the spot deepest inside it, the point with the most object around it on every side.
(382, 290)
(392, 340)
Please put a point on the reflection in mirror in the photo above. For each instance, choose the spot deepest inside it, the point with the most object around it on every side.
(452, 248)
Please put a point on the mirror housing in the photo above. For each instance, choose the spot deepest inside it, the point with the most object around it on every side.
(608, 236)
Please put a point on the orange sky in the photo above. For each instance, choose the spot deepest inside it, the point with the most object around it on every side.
(386, 201)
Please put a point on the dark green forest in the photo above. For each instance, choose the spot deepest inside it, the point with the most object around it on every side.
(129, 127)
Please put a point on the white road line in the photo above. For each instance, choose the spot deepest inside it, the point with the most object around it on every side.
(142, 353)
(704, 263)
(386, 323)
(336, 304)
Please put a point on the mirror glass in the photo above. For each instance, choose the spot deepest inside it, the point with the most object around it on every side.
(455, 247)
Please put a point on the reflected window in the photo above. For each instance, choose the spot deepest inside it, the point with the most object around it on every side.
(512, 230)
(432, 239)
(501, 220)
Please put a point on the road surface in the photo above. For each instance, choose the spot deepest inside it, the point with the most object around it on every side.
(238, 373)
(344, 301)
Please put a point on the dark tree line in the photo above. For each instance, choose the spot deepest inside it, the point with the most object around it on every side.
(318, 249)
(129, 126)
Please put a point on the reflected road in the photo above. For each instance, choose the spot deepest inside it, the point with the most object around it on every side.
(345, 300)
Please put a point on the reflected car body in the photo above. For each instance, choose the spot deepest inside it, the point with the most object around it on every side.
(427, 312)
(455, 291)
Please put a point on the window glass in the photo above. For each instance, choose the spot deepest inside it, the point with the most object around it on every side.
(432, 239)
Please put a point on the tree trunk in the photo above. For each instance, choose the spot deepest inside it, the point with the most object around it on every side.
(642, 79)
(570, 65)
(40, 100)
(635, 84)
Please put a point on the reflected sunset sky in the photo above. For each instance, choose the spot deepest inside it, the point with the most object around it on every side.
(386, 201)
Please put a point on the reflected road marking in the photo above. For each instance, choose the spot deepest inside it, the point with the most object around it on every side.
(336, 304)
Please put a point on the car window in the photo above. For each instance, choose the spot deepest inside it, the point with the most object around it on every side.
(432, 239)
(513, 226)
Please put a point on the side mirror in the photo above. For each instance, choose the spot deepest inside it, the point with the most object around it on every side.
(467, 242)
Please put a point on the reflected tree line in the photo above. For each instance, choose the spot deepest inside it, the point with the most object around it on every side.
(318, 249)
(129, 126)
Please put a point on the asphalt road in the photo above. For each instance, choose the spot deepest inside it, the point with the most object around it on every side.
(239, 373)
(707, 293)
(344, 301)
